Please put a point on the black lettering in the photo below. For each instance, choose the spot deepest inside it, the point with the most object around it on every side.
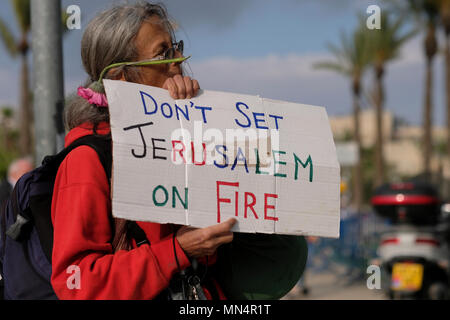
(158, 148)
(139, 127)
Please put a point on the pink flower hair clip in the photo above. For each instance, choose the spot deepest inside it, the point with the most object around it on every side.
(93, 97)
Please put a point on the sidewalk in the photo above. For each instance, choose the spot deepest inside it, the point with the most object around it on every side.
(326, 286)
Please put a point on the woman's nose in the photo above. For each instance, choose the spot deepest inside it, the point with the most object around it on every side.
(178, 54)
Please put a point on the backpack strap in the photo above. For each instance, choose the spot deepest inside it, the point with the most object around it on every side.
(101, 145)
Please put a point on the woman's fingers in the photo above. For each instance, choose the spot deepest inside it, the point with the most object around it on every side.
(205, 241)
(222, 228)
(181, 87)
(196, 87)
(188, 82)
(171, 86)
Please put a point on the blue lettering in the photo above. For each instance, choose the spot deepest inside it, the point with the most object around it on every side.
(145, 105)
(203, 112)
(222, 166)
(185, 113)
(240, 158)
(256, 115)
(170, 108)
(276, 119)
(248, 120)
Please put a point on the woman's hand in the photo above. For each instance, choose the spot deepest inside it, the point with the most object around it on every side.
(198, 243)
(180, 87)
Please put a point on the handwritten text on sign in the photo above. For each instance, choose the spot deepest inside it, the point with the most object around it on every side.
(270, 164)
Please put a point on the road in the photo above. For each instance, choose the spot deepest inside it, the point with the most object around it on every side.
(326, 286)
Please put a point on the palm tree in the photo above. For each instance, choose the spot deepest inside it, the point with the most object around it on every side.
(428, 15)
(20, 46)
(427, 12)
(444, 12)
(385, 44)
(352, 57)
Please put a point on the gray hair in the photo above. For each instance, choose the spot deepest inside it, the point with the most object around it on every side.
(110, 38)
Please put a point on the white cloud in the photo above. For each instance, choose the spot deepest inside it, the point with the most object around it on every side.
(284, 77)
(292, 77)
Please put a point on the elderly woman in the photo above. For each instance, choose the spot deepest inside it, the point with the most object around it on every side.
(81, 207)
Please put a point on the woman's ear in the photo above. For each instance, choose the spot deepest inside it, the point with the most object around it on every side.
(117, 74)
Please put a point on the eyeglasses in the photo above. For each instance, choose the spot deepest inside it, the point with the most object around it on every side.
(166, 57)
(170, 53)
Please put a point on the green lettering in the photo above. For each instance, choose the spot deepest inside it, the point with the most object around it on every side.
(304, 165)
(160, 204)
(175, 192)
(276, 174)
(258, 164)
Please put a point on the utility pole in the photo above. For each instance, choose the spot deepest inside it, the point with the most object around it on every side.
(48, 79)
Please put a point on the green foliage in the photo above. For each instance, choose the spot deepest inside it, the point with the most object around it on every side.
(7, 39)
(7, 113)
(346, 136)
(22, 11)
(368, 169)
(440, 148)
(9, 138)
(8, 152)
(6, 157)
(352, 55)
(386, 42)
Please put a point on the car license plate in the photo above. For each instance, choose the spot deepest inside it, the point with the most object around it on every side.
(407, 276)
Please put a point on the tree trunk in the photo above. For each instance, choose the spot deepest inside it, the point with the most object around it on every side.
(427, 116)
(26, 120)
(431, 49)
(357, 170)
(447, 86)
(379, 99)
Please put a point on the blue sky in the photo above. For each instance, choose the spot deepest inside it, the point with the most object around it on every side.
(263, 47)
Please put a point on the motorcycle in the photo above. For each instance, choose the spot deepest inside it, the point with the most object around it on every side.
(414, 251)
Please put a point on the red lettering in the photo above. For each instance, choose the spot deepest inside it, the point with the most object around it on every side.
(251, 205)
(180, 151)
(226, 200)
(267, 206)
(236, 210)
(193, 155)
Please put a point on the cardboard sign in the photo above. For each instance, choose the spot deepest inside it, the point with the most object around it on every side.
(270, 164)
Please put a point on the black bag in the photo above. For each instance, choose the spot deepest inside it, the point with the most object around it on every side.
(26, 230)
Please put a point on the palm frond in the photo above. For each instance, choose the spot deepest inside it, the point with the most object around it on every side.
(352, 55)
(64, 17)
(388, 41)
(22, 10)
(7, 38)
(362, 44)
(333, 66)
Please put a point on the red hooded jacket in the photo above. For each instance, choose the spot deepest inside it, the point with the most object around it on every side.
(82, 250)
